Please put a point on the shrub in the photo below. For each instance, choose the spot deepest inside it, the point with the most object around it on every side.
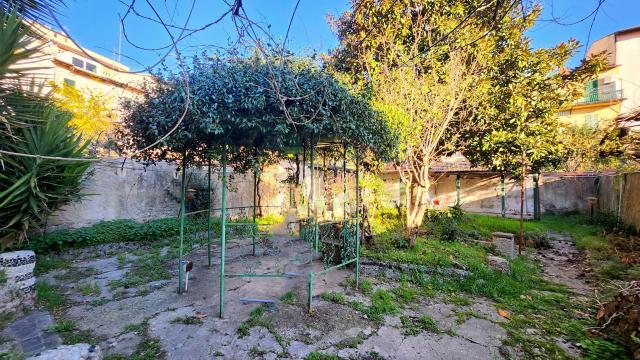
(117, 231)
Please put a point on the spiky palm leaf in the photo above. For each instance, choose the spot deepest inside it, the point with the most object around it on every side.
(32, 187)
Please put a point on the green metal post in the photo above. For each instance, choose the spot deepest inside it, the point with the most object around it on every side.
(209, 214)
(223, 226)
(344, 183)
(255, 192)
(458, 189)
(310, 296)
(536, 197)
(182, 211)
(357, 220)
(502, 196)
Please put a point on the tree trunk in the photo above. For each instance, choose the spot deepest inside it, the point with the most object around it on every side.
(522, 185)
(417, 193)
(259, 196)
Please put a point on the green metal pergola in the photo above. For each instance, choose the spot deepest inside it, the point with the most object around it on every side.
(310, 229)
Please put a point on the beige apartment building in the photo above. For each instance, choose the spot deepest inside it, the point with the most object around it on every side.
(62, 62)
(616, 91)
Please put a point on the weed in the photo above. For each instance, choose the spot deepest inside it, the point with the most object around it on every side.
(122, 260)
(335, 297)
(3, 277)
(140, 328)
(364, 285)
(49, 296)
(316, 355)
(414, 326)
(457, 299)
(87, 289)
(257, 352)
(70, 334)
(350, 343)
(74, 274)
(65, 326)
(404, 293)
(187, 320)
(256, 318)
(146, 269)
(12, 353)
(44, 264)
(288, 298)
(148, 349)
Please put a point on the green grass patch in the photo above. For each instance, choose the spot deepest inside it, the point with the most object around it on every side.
(44, 264)
(70, 334)
(414, 326)
(288, 298)
(89, 289)
(431, 253)
(49, 296)
(137, 328)
(335, 297)
(145, 270)
(316, 355)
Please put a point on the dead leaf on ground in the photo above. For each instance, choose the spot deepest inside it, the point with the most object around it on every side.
(504, 313)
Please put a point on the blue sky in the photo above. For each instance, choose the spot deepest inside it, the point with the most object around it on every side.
(95, 24)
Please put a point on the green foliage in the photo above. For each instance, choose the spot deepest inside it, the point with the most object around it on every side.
(137, 328)
(89, 289)
(44, 264)
(517, 131)
(531, 301)
(31, 188)
(256, 318)
(232, 102)
(49, 296)
(146, 269)
(3, 277)
(335, 297)
(598, 349)
(316, 355)
(382, 303)
(288, 298)
(118, 231)
(414, 326)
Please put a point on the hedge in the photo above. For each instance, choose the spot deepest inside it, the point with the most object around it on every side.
(117, 231)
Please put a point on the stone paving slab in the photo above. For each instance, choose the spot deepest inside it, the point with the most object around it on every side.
(32, 333)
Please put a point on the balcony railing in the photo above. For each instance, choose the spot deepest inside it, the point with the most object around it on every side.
(600, 96)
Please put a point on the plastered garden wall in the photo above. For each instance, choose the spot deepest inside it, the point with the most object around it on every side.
(620, 195)
(481, 193)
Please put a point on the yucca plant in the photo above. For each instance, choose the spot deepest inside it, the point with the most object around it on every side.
(31, 187)
(38, 172)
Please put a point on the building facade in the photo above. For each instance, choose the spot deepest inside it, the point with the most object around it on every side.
(61, 62)
(616, 91)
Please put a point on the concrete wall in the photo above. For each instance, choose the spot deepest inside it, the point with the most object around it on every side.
(135, 192)
(620, 195)
(139, 193)
(113, 191)
(480, 193)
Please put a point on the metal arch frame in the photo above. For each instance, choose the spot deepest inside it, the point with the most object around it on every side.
(355, 260)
